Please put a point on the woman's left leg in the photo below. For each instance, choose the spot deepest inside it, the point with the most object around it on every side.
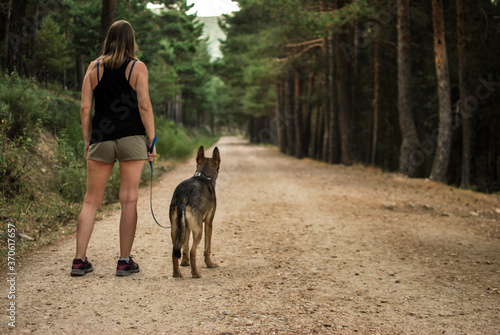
(130, 176)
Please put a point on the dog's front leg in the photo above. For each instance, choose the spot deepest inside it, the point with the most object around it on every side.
(208, 243)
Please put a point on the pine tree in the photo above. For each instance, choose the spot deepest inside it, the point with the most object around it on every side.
(52, 54)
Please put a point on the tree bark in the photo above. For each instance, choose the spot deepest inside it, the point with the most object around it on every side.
(327, 101)
(442, 157)
(179, 117)
(297, 112)
(280, 118)
(465, 180)
(333, 120)
(408, 165)
(344, 101)
(33, 36)
(376, 102)
(79, 69)
(108, 16)
(289, 115)
(308, 115)
(316, 129)
(16, 39)
(4, 33)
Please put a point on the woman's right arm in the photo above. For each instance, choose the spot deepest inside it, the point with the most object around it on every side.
(145, 107)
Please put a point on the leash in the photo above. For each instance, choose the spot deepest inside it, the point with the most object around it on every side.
(151, 193)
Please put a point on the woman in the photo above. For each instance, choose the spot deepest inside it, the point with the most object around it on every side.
(123, 117)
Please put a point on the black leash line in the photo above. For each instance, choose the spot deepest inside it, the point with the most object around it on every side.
(151, 192)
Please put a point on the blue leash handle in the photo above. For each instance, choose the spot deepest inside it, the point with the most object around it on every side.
(150, 150)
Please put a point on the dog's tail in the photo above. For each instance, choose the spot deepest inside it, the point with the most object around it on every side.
(181, 230)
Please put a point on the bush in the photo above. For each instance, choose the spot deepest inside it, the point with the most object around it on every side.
(21, 106)
(176, 142)
(18, 156)
(28, 195)
(69, 171)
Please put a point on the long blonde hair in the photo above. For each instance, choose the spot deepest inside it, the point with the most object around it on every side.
(119, 45)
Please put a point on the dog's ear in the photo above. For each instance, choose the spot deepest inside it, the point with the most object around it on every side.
(216, 155)
(201, 155)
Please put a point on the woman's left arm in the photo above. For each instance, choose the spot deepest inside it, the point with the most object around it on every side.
(86, 108)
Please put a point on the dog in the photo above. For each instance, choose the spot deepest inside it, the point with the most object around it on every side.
(193, 203)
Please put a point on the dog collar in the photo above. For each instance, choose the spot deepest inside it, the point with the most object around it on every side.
(199, 174)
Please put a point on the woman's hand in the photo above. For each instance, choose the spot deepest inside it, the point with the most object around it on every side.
(151, 155)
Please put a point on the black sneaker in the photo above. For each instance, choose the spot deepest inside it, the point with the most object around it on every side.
(125, 268)
(80, 267)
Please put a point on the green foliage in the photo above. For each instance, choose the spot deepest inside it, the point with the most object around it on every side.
(17, 156)
(69, 170)
(52, 53)
(82, 19)
(27, 177)
(22, 106)
(164, 82)
(176, 142)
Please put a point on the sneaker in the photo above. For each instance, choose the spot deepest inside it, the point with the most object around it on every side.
(80, 267)
(124, 269)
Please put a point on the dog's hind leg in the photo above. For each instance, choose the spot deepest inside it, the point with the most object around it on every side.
(178, 229)
(185, 248)
(208, 243)
(197, 234)
(175, 260)
(177, 270)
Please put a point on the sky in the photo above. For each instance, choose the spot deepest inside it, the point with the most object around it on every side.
(210, 7)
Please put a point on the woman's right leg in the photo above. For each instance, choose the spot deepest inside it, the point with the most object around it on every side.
(97, 176)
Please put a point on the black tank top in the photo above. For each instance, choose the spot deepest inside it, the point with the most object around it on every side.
(116, 108)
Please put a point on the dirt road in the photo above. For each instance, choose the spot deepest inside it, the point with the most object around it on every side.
(303, 247)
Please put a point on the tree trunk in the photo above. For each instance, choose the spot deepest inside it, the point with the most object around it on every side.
(108, 15)
(327, 101)
(32, 38)
(408, 165)
(333, 120)
(4, 32)
(344, 101)
(297, 112)
(493, 157)
(316, 129)
(376, 102)
(179, 109)
(354, 66)
(308, 115)
(465, 180)
(79, 72)
(64, 86)
(442, 157)
(16, 39)
(280, 117)
(289, 114)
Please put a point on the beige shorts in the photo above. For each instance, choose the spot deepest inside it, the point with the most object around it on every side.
(123, 149)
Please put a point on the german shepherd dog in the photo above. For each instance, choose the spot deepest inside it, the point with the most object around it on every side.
(193, 203)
